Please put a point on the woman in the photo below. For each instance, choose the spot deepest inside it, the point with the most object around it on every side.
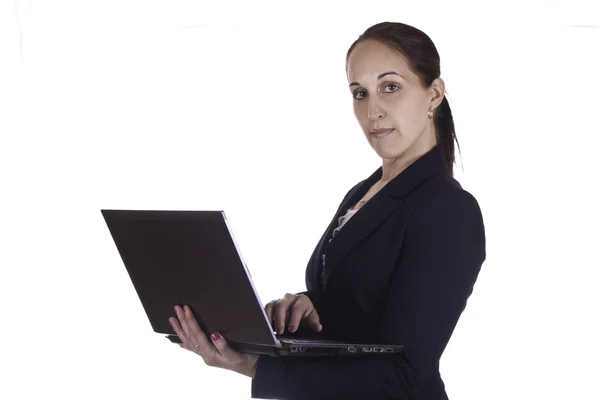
(400, 257)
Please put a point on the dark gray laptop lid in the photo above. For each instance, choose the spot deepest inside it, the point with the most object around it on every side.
(190, 257)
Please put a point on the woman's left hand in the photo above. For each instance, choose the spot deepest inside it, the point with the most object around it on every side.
(216, 353)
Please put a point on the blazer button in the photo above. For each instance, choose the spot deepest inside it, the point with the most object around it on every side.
(323, 271)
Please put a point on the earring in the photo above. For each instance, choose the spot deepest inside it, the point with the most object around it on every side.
(430, 114)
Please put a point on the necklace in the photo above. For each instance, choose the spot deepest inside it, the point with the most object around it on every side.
(366, 198)
(361, 203)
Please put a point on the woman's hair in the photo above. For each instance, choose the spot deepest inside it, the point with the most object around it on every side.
(424, 60)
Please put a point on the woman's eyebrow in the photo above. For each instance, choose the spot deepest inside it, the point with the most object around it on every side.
(379, 77)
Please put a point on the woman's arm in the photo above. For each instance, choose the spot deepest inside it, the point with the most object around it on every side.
(443, 253)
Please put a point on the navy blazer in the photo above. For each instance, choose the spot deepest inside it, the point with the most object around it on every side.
(400, 271)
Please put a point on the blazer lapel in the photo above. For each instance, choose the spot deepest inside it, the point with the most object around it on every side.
(365, 221)
(377, 210)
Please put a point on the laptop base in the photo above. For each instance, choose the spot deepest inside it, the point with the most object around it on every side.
(310, 347)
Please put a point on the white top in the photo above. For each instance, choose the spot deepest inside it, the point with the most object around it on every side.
(343, 220)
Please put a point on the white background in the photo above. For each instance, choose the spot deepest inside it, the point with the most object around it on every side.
(245, 108)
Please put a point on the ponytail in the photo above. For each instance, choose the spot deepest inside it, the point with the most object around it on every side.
(444, 128)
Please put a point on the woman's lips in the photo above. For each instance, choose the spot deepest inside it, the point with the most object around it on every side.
(382, 133)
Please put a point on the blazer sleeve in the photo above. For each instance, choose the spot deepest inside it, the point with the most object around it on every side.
(443, 250)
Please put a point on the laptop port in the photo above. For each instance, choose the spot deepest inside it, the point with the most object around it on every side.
(389, 350)
(367, 349)
(294, 349)
(351, 349)
(301, 349)
(378, 349)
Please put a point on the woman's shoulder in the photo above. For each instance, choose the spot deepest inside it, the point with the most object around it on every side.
(443, 191)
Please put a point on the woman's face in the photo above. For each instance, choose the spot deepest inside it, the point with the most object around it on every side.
(388, 95)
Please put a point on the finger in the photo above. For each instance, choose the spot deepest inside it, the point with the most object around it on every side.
(269, 311)
(181, 317)
(197, 335)
(279, 316)
(281, 313)
(312, 321)
(273, 317)
(178, 329)
(299, 309)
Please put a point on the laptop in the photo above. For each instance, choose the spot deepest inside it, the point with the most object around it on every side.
(191, 258)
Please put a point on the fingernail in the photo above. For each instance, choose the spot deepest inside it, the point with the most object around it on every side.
(292, 328)
(215, 337)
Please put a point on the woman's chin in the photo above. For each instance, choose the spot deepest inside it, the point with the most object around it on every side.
(388, 151)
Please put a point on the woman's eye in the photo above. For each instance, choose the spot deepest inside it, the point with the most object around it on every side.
(356, 94)
(394, 88)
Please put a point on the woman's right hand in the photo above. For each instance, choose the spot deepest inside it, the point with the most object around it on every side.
(291, 311)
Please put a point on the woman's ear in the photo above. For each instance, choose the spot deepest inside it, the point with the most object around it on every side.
(436, 91)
